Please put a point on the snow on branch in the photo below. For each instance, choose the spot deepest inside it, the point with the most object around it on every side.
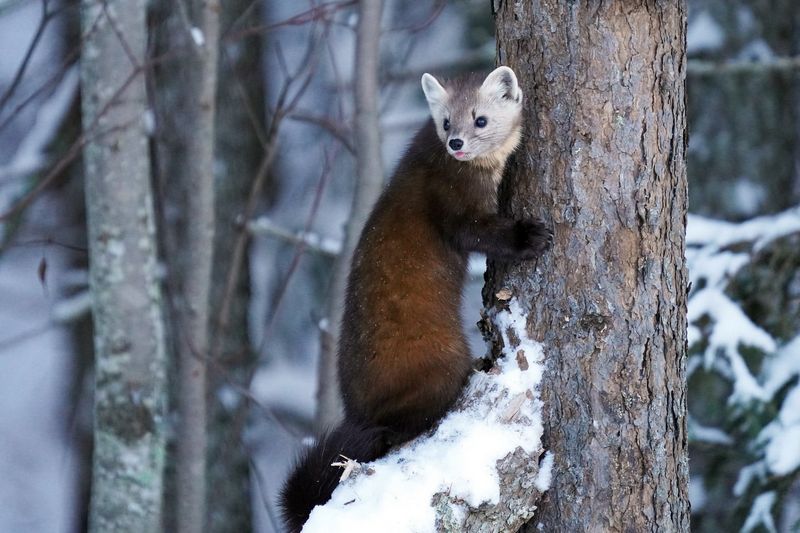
(716, 251)
(761, 514)
(760, 231)
(478, 471)
(731, 329)
(312, 241)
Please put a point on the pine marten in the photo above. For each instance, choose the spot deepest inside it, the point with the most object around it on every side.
(403, 357)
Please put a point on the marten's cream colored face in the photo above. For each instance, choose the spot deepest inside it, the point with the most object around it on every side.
(477, 121)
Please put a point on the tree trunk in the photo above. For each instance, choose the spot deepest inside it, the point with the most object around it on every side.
(603, 162)
(240, 125)
(196, 177)
(186, 41)
(369, 183)
(129, 333)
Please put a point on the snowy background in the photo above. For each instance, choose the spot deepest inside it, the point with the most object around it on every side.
(743, 255)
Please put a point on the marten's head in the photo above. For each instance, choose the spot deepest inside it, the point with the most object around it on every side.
(477, 119)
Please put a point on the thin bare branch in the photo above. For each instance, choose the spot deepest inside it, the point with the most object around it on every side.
(15, 340)
(323, 12)
(341, 134)
(90, 134)
(301, 246)
(312, 242)
(697, 67)
(122, 41)
(69, 60)
(37, 36)
(284, 106)
(436, 10)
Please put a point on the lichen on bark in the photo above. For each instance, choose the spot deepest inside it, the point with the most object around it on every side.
(128, 329)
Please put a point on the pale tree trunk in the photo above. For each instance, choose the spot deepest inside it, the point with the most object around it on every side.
(187, 35)
(369, 183)
(603, 162)
(129, 335)
(240, 126)
(197, 179)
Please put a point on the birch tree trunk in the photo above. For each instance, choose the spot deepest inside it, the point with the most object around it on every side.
(369, 183)
(129, 335)
(603, 161)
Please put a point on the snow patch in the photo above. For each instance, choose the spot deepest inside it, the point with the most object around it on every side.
(783, 435)
(704, 34)
(545, 475)
(761, 514)
(460, 457)
(697, 494)
(704, 231)
(701, 433)
(746, 476)
(197, 36)
(781, 368)
(731, 329)
(757, 50)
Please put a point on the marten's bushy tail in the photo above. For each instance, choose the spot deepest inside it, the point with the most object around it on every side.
(313, 478)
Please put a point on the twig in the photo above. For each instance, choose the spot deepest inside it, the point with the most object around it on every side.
(436, 10)
(697, 67)
(73, 152)
(321, 12)
(283, 107)
(300, 248)
(311, 241)
(49, 242)
(341, 134)
(474, 60)
(69, 60)
(43, 21)
(75, 149)
(29, 156)
(122, 41)
(14, 340)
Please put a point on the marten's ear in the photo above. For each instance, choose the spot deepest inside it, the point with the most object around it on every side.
(501, 83)
(434, 92)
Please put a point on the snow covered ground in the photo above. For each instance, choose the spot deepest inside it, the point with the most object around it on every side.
(38, 491)
(38, 485)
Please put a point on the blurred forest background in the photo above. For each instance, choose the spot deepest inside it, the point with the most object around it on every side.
(284, 172)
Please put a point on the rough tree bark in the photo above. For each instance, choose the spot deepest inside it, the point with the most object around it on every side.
(129, 334)
(603, 162)
(369, 183)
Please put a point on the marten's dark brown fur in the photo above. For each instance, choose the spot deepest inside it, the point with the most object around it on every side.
(403, 357)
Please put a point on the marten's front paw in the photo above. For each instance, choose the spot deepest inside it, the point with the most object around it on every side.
(532, 238)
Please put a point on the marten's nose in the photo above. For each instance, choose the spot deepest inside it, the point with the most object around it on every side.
(456, 144)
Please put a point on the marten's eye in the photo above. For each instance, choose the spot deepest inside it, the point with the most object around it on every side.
(446, 125)
(480, 122)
